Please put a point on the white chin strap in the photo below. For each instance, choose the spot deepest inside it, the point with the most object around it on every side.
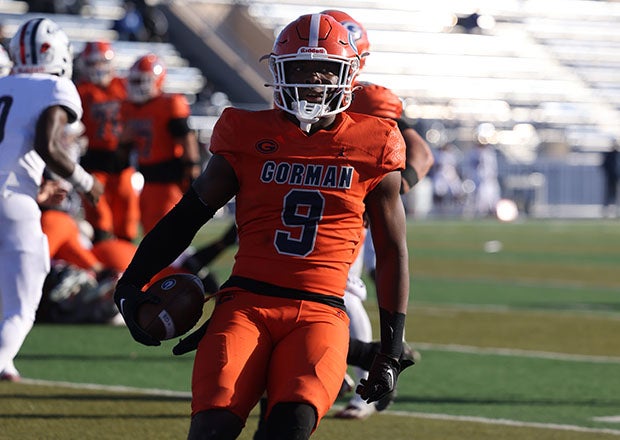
(308, 113)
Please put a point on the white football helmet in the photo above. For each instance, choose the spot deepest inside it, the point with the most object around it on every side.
(5, 62)
(41, 46)
(314, 37)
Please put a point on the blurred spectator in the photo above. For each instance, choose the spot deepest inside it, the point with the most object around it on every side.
(480, 170)
(469, 23)
(130, 26)
(155, 22)
(447, 183)
(611, 171)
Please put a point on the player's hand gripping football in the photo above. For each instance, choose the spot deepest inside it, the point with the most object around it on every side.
(128, 299)
(381, 379)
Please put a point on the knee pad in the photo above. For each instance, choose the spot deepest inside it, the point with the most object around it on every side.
(291, 420)
(215, 424)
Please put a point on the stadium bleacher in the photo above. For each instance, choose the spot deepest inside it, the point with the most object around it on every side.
(96, 23)
(543, 72)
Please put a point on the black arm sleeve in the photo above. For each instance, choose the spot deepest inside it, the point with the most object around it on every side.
(170, 236)
(392, 332)
(178, 127)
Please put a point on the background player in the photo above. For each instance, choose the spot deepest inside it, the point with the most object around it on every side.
(303, 175)
(37, 101)
(155, 126)
(117, 214)
(381, 102)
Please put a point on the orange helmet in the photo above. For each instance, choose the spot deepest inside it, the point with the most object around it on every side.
(146, 79)
(97, 59)
(360, 36)
(375, 100)
(314, 37)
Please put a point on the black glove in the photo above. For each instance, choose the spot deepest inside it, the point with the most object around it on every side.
(128, 299)
(381, 380)
(190, 343)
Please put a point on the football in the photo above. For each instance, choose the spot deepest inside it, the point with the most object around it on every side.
(182, 299)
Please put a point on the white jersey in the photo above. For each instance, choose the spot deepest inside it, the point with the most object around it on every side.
(23, 98)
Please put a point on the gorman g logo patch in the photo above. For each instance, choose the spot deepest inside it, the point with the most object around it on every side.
(266, 146)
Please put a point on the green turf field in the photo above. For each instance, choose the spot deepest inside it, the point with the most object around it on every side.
(517, 344)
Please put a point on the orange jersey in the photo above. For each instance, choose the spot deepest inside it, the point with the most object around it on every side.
(102, 113)
(375, 100)
(301, 198)
(147, 126)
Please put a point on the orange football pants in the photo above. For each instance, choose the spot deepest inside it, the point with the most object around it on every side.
(294, 350)
(114, 253)
(118, 210)
(156, 199)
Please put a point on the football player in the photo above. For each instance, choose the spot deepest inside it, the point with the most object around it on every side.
(303, 175)
(375, 100)
(155, 125)
(117, 214)
(37, 100)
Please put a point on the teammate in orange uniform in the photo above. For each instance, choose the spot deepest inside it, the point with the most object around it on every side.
(378, 101)
(102, 93)
(156, 126)
(303, 175)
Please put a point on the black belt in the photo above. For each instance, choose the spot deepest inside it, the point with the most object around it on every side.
(268, 289)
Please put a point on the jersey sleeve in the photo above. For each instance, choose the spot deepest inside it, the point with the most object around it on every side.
(394, 152)
(179, 107)
(223, 136)
(66, 95)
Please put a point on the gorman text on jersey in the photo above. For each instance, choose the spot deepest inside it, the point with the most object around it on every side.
(313, 175)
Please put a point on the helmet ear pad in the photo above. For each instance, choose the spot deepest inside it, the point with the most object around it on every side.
(41, 46)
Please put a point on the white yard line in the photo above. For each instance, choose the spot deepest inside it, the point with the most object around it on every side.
(517, 352)
(609, 419)
(113, 388)
(505, 422)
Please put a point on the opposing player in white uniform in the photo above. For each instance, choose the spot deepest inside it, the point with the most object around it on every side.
(37, 100)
